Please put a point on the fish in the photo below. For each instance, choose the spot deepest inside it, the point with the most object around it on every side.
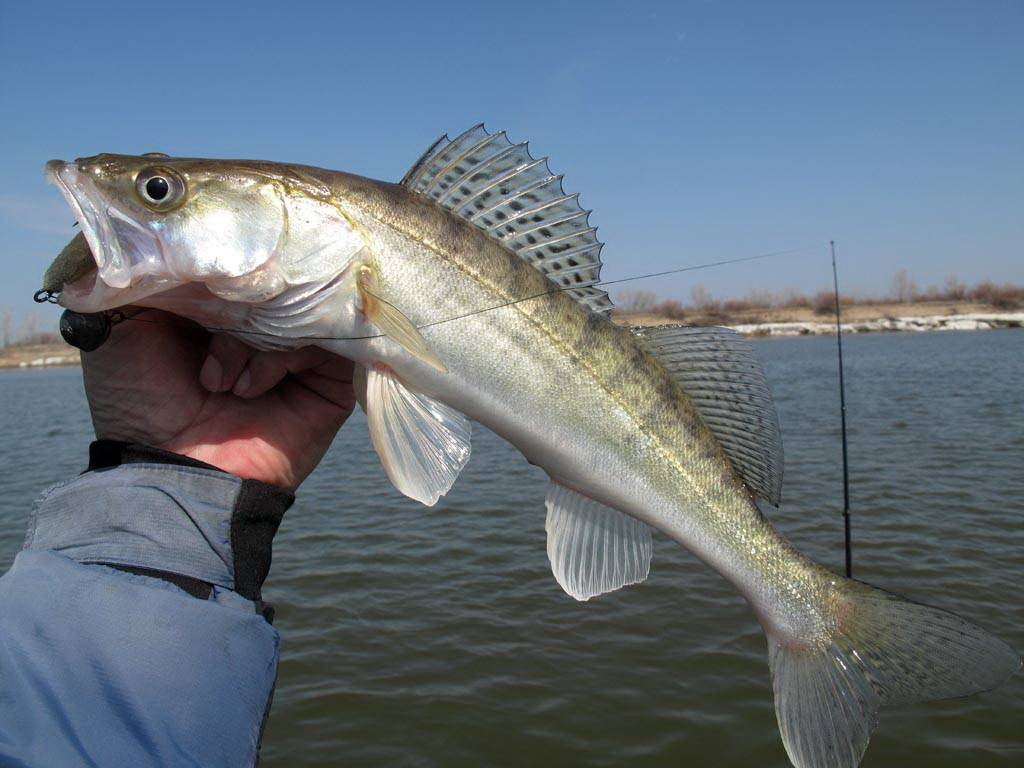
(470, 291)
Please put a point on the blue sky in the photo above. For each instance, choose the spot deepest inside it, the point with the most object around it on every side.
(695, 130)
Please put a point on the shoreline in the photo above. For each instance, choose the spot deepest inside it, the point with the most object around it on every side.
(909, 324)
(857, 319)
(34, 356)
(58, 354)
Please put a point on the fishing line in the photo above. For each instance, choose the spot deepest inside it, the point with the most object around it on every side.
(556, 289)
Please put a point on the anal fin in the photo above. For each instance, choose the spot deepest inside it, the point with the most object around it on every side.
(594, 549)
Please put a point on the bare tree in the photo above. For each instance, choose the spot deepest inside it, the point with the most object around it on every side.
(955, 288)
(31, 329)
(5, 327)
(903, 287)
(636, 301)
(700, 297)
(762, 297)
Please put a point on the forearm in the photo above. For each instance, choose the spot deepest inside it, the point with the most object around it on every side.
(132, 629)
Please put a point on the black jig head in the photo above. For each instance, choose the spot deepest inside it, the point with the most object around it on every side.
(87, 331)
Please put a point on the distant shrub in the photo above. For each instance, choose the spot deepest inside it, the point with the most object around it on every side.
(737, 305)
(794, 300)
(671, 308)
(824, 303)
(703, 308)
(35, 338)
(759, 298)
(1004, 296)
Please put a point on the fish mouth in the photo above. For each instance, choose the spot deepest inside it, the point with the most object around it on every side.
(129, 257)
(82, 196)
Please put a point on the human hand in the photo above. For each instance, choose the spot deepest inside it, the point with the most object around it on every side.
(165, 382)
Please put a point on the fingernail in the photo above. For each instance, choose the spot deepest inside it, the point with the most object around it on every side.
(242, 385)
(211, 374)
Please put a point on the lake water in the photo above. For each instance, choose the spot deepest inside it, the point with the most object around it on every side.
(438, 637)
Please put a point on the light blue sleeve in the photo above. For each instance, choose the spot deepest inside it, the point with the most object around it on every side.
(102, 667)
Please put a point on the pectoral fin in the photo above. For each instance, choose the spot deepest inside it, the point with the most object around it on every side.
(393, 324)
(422, 443)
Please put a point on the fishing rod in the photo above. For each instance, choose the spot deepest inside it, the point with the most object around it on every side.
(842, 418)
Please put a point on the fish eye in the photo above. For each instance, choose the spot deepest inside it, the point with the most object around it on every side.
(157, 188)
(160, 188)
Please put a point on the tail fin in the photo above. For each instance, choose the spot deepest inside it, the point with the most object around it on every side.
(884, 651)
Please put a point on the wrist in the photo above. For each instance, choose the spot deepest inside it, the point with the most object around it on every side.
(105, 454)
(240, 457)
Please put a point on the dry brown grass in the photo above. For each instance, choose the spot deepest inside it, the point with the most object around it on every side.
(761, 306)
(853, 313)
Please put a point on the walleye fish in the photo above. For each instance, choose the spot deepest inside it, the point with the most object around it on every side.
(469, 291)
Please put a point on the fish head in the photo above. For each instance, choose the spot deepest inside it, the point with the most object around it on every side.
(239, 231)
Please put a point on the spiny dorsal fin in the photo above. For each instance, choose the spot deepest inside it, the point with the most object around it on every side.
(433, 149)
(720, 373)
(502, 189)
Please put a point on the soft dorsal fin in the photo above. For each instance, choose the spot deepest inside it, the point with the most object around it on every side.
(502, 189)
(719, 371)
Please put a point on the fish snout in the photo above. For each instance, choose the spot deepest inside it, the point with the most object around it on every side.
(61, 171)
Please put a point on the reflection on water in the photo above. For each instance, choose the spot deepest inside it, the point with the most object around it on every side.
(417, 636)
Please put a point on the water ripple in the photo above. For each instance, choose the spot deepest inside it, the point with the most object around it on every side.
(416, 637)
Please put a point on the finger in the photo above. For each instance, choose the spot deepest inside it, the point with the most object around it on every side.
(265, 370)
(331, 380)
(225, 360)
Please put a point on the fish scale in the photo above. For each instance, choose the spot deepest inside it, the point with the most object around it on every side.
(703, 505)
